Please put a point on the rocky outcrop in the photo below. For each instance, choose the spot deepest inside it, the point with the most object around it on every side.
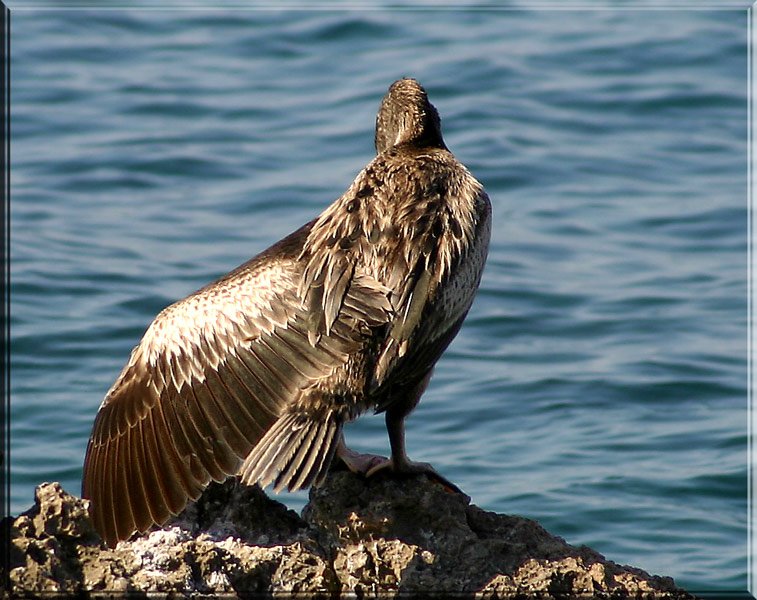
(373, 537)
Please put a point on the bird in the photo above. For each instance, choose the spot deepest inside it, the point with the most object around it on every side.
(256, 374)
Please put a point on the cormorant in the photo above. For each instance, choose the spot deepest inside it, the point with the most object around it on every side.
(257, 373)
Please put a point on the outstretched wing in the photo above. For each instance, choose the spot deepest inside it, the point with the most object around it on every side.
(210, 376)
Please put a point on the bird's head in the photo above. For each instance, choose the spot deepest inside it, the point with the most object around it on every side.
(407, 117)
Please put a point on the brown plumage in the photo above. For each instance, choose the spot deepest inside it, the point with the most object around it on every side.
(257, 373)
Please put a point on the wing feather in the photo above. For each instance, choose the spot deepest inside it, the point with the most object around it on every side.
(211, 458)
(259, 465)
(267, 393)
(137, 502)
(305, 466)
(304, 472)
(298, 356)
(280, 369)
(182, 431)
(217, 399)
(298, 451)
(180, 463)
(323, 458)
(149, 478)
(233, 394)
(338, 280)
(311, 361)
(109, 515)
(132, 412)
(102, 512)
(173, 496)
(261, 414)
(124, 506)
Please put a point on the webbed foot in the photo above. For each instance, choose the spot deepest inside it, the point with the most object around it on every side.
(359, 463)
(409, 468)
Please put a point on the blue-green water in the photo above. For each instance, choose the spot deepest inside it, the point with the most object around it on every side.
(599, 383)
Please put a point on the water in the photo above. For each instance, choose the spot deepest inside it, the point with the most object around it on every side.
(599, 383)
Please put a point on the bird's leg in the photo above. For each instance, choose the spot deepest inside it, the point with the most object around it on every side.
(355, 461)
(399, 463)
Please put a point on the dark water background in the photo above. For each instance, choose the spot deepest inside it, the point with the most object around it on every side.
(599, 384)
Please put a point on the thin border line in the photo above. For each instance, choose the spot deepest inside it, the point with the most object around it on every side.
(362, 8)
(750, 312)
(536, 7)
(6, 248)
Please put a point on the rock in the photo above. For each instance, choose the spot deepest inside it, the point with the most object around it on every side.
(195, 554)
(364, 537)
(409, 535)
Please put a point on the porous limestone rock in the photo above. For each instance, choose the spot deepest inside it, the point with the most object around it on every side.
(381, 536)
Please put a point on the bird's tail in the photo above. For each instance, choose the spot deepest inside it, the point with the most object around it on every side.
(294, 453)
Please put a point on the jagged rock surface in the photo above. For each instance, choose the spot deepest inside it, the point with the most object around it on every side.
(370, 537)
